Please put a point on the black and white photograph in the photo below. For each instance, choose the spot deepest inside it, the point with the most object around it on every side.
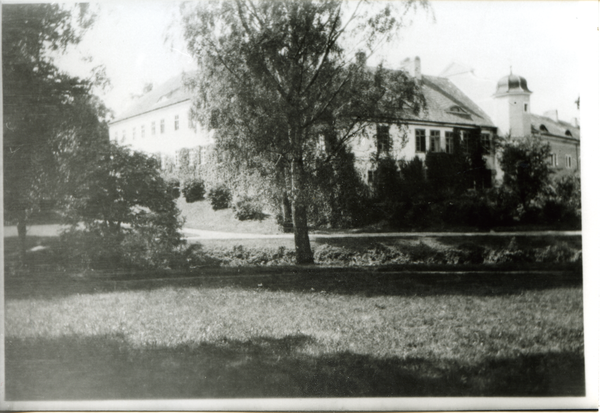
(299, 205)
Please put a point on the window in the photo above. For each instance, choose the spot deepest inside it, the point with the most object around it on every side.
(553, 161)
(190, 121)
(143, 131)
(568, 161)
(543, 128)
(466, 142)
(133, 134)
(383, 139)
(434, 141)
(449, 142)
(176, 126)
(370, 176)
(162, 126)
(525, 107)
(123, 137)
(203, 155)
(153, 127)
(486, 143)
(420, 140)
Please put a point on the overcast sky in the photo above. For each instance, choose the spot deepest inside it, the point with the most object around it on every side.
(539, 39)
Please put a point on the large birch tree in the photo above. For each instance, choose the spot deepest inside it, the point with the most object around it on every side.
(274, 77)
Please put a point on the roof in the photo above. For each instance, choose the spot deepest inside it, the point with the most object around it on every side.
(445, 103)
(512, 83)
(169, 93)
(553, 128)
(448, 104)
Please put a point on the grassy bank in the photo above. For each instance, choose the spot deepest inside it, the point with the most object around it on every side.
(285, 335)
(200, 215)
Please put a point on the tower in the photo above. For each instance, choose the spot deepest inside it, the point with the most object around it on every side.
(512, 109)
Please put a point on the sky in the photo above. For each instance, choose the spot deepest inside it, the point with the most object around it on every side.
(540, 40)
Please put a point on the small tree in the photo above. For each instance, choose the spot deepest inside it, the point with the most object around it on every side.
(526, 168)
(126, 206)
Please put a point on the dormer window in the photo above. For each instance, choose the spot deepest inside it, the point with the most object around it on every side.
(457, 110)
(568, 133)
(543, 128)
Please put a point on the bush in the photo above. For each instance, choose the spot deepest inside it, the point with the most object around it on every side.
(220, 197)
(193, 191)
(248, 209)
(173, 187)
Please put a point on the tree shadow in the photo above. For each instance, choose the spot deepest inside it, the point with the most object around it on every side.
(102, 368)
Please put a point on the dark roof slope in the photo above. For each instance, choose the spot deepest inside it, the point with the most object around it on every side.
(553, 128)
(448, 104)
(171, 92)
(445, 103)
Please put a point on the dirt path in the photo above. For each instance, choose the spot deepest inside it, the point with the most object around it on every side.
(200, 234)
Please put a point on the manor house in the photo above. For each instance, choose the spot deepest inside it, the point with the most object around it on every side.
(161, 123)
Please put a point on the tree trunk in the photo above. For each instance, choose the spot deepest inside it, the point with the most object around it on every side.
(22, 231)
(286, 211)
(304, 253)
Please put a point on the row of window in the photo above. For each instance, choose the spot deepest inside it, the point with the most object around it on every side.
(553, 160)
(153, 129)
(451, 141)
(435, 140)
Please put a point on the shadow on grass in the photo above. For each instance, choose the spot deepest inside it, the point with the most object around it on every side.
(71, 368)
(331, 281)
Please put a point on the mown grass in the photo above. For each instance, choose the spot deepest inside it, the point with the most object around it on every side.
(200, 215)
(321, 335)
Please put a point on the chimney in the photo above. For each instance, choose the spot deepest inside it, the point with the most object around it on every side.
(552, 114)
(417, 68)
(412, 67)
(575, 122)
(361, 58)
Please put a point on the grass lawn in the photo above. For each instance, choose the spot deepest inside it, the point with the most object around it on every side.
(311, 334)
(200, 215)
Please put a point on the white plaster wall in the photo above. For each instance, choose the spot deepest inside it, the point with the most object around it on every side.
(562, 148)
(510, 116)
(166, 143)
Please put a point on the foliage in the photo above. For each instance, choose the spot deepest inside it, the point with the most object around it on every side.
(38, 99)
(526, 169)
(193, 190)
(173, 185)
(128, 210)
(275, 74)
(339, 195)
(365, 254)
(246, 209)
(219, 197)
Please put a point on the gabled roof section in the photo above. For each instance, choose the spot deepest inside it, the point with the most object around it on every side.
(548, 126)
(448, 104)
(169, 93)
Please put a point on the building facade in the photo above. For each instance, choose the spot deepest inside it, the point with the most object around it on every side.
(511, 111)
(161, 123)
(450, 119)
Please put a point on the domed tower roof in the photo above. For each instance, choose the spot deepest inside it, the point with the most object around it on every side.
(512, 83)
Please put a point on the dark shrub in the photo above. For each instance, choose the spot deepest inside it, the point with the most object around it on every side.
(193, 191)
(247, 209)
(220, 197)
(173, 187)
